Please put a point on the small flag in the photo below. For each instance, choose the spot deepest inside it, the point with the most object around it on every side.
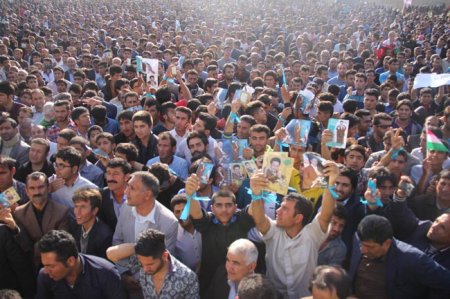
(434, 143)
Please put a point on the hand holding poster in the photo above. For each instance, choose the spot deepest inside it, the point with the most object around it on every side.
(277, 167)
(150, 68)
(339, 129)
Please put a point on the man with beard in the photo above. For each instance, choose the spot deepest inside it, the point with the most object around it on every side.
(62, 120)
(374, 140)
(404, 119)
(228, 76)
(189, 241)
(189, 146)
(37, 217)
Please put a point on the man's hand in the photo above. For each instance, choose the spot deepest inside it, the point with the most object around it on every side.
(327, 136)
(286, 112)
(285, 95)
(56, 184)
(397, 140)
(426, 166)
(331, 170)
(235, 106)
(371, 197)
(192, 184)
(258, 183)
(280, 134)
(7, 218)
(212, 108)
(247, 153)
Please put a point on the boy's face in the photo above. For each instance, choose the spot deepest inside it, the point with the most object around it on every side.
(105, 145)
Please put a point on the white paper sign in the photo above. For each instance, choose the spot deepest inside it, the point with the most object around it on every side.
(431, 80)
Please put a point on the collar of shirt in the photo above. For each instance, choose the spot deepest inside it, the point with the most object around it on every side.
(143, 219)
(216, 221)
(233, 289)
(75, 182)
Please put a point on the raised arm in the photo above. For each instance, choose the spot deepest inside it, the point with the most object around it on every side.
(324, 149)
(119, 252)
(192, 185)
(258, 182)
(331, 171)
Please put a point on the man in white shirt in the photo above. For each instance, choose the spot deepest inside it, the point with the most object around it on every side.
(292, 243)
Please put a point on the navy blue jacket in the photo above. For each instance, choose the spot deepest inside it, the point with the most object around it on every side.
(409, 272)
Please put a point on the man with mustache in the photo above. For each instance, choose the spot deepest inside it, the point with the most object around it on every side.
(38, 216)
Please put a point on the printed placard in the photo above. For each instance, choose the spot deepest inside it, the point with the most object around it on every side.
(277, 167)
(339, 129)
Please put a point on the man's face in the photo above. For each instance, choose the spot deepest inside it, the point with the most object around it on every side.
(365, 123)
(170, 116)
(436, 158)
(229, 73)
(443, 190)
(360, 83)
(196, 146)
(387, 189)
(7, 132)
(260, 116)
(237, 267)
(115, 178)
(32, 83)
(285, 214)
(269, 81)
(141, 129)
(81, 150)
(439, 232)
(37, 190)
(199, 125)
(61, 113)
(336, 227)
(243, 130)
(64, 170)
(105, 145)
(223, 208)
(350, 80)
(83, 211)
(84, 120)
(4, 99)
(37, 153)
(258, 141)
(37, 132)
(342, 68)
(177, 211)
(343, 187)
(370, 102)
(354, 160)
(131, 102)
(55, 269)
(165, 149)
(381, 129)
(323, 116)
(126, 127)
(151, 265)
(38, 100)
(426, 98)
(192, 79)
(373, 250)
(181, 121)
(61, 143)
(136, 193)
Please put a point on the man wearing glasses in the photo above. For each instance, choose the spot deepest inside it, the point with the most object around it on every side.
(67, 178)
(374, 140)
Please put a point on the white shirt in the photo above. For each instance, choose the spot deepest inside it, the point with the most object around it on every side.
(177, 137)
(141, 222)
(291, 262)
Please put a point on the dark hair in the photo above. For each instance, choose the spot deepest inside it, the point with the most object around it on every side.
(326, 106)
(256, 286)
(124, 166)
(125, 115)
(372, 92)
(178, 199)
(7, 88)
(129, 150)
(357, 148)
(381, 116)
(70, 155)
(115, 69)
(260, 129)
(252, 107)
(34, 176)
(223, 193)
(340, 211)
(150, 244)
(94, 128)
(350, 174)
(195, 134)
(165, 107)
(61, 243)
(209, 120)
(375, 228)
(332, 278)
(444, 174)
(167, 136)
(90, 194)
(184, 110)
(248, 119)
(11, 121)
(160, 171)
(143, 116)
(77, 112)
(303, 206)
(67, 134)
(383, 174)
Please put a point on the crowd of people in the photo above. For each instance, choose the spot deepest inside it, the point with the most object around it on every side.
(188, 178)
